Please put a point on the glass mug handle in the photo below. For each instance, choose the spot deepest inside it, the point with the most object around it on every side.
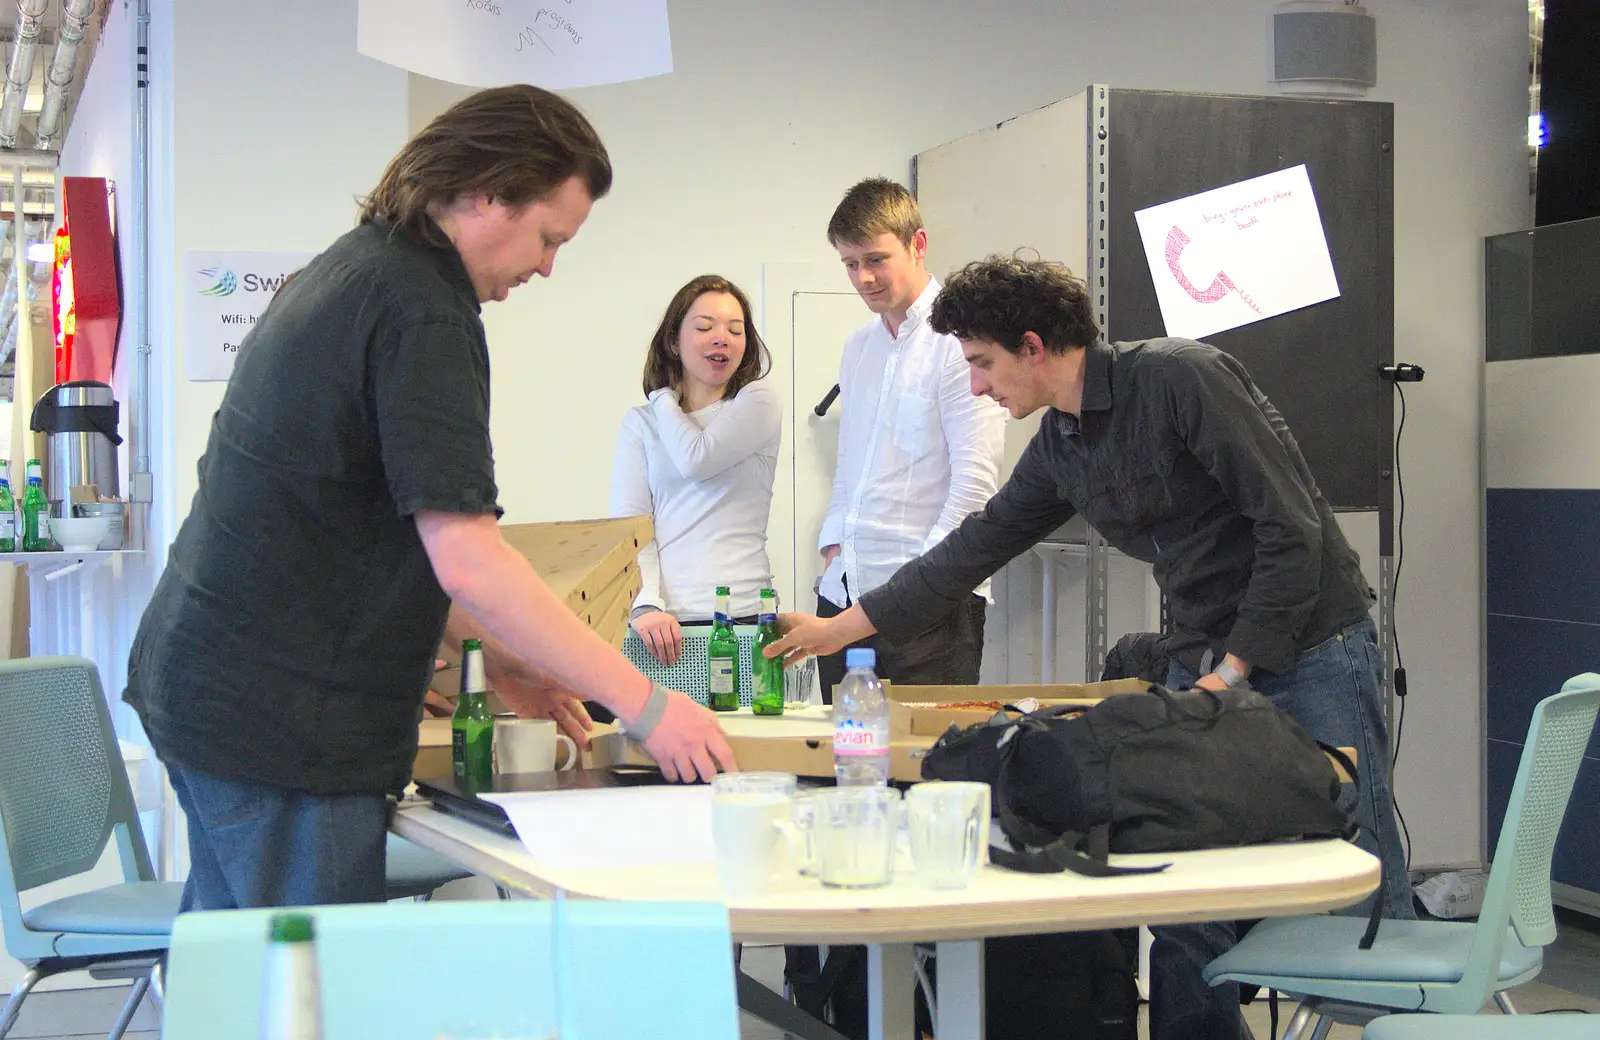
(794, 857)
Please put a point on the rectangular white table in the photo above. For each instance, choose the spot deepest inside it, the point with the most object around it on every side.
(1220, 884)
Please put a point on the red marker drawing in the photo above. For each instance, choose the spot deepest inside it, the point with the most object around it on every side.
(1221, 285)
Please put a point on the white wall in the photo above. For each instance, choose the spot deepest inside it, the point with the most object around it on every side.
(738, 158)
(278, 126)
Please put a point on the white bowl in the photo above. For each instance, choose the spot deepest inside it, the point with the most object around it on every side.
(79, 533)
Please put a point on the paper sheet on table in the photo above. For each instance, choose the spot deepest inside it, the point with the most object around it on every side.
(613, 827)
(1237, 254)
(491, 43)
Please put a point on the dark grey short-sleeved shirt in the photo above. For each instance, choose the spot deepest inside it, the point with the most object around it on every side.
(291, 636)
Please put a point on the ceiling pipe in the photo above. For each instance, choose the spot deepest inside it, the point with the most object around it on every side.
(63, 68)
(30, 13)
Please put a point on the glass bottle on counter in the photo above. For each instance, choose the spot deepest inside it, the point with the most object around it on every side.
(722, 658)
(472, 726)
(768, 671)
(36, 512)
(8, 510)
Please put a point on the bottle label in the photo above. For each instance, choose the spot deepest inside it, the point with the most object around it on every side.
(8, 526)
(767, 619)
(719, 680)
(720, 616)
(44, 527)
(850, 737)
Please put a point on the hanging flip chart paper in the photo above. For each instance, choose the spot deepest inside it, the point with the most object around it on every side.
(554, 44)
(1237, 254)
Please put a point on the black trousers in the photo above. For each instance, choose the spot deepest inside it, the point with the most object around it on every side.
(949, 653)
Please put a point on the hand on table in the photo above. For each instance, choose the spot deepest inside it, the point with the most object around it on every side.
(687, 743)
(535, 696)
(435, 704)
(662, 634)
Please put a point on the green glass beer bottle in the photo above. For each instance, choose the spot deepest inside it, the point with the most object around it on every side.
(8, 510)
(768, 671)
(291, 997)
(35, 512)
(472, 727)
(722, 658)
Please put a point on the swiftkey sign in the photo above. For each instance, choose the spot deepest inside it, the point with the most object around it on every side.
(224, 296)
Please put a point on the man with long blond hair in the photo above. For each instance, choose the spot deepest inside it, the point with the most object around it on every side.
(347, 500)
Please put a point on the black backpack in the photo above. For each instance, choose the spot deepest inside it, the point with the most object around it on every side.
(1160, 771)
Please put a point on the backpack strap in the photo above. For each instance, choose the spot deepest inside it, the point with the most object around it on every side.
(1053, 853)
(1380, 897)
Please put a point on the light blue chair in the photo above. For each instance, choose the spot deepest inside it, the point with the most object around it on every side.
(1484, 1027)
(63, 794)
(1447, 967)
(418, 971)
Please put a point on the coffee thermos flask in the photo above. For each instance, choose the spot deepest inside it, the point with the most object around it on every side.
(80, 420)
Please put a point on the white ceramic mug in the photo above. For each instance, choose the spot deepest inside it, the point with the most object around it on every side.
(758, 847)
(529, 746)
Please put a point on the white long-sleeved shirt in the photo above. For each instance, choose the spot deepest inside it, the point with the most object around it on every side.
(917, 451)
(705, 477)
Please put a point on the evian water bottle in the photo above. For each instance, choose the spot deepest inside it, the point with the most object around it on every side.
(860, 723)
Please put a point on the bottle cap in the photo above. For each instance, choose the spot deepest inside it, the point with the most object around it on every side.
(722, 590)
(471, 644)
(861, 657)
(292, 928)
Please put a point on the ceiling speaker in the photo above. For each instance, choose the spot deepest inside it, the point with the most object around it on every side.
(1324, 47)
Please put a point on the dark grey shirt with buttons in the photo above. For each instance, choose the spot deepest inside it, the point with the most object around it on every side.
(292, 635)
(1178, 460)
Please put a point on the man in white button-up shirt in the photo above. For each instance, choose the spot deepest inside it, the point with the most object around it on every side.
(917, 451)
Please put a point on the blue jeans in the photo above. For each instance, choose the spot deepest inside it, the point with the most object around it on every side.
(256, 845)
(1334, 692)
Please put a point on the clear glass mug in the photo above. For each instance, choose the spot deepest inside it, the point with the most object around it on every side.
(854, 830)
(800, 680)
(757, 846)
(949, 824)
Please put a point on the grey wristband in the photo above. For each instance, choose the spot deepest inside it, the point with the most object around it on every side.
(1230, 675)
(654, 708)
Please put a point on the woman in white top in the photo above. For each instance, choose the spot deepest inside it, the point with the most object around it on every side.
(700, 458)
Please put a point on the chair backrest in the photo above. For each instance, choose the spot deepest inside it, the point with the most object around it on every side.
(689, 674)
(577, 969)
(63, 786)
(1557, 739)
(1518, 891)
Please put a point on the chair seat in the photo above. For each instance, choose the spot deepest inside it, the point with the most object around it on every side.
(1326, 948)
(1484, 1027)
(413, 870)
(132, 908)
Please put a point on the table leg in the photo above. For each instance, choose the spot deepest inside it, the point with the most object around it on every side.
(891, 1010)
(960, 1010)
(771, 1008)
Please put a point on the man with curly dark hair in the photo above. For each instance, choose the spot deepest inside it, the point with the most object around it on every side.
(1169, 450)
